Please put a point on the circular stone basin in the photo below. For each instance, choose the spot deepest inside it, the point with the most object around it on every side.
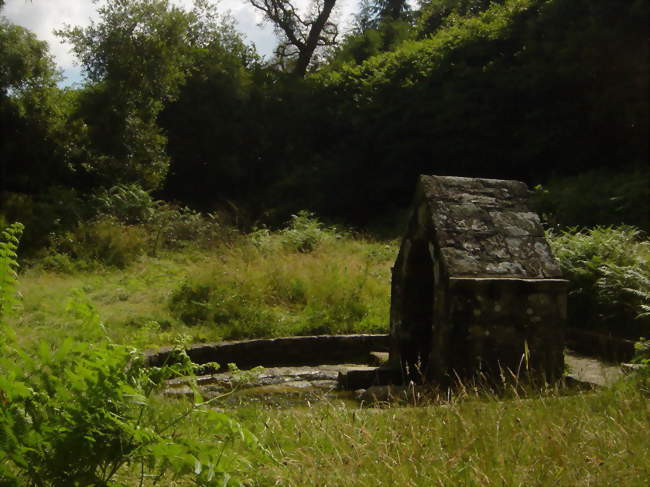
(272, 386)
(300, 371)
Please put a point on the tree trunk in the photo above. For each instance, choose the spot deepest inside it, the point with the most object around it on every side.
(306, 51)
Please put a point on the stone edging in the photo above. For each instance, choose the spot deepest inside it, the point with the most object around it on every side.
(599, 345)
(282, 352)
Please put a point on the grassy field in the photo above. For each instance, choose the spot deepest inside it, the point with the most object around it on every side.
(245, 289)
(273, 284)
(583, 439)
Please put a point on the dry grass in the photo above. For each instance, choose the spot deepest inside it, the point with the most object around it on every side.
(587, 439)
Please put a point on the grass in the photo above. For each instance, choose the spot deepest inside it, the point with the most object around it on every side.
(240, 290)
(556, 441)
(475, 439)
(321, 281)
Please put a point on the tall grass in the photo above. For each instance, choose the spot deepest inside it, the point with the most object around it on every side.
(582, 440)
(473, 439)
(260, 285)
(275, 289)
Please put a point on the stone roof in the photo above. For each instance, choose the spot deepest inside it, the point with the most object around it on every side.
(484, 228)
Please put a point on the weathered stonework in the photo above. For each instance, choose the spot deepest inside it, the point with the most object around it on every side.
(475, 286)
(280, 352)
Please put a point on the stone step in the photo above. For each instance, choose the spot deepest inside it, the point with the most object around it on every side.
(363, 377)
(378, 358)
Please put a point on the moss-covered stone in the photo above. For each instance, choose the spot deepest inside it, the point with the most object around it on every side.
(476, 288)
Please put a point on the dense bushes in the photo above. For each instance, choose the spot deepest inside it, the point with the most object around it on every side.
(609, 277)
(524, 90)
(598, 197)
(124, 222)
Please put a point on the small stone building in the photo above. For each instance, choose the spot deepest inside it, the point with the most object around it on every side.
(475, 286)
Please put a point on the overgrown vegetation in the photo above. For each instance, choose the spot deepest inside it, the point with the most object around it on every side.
(609, 277)
(582, 440)
(596, 198)
(80, 414)
(302, 279)
(265, 284)
(177, 114)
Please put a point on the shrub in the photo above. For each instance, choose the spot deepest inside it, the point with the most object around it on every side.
(128, 203)
(609, 274)
(642, 351)
(191, 303)
(104, 241)
(233, 307)
(9, 239)
(597, 197)
(304, 233)
(80, 413)
(56, 210)
(169, 226)
(173, 227)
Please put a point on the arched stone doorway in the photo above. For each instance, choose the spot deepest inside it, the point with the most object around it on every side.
(417, 296)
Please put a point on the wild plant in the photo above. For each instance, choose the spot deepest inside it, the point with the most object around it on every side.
(103, 241)
(80, 414)
(128, 203)
(9, 240)
(609, 277)
(305, 232)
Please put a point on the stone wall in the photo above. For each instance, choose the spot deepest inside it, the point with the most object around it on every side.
(493, 325)
(475, 286)
(282, 352)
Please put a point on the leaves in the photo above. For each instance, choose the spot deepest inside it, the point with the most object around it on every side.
(78, 413)
(608, 269)
(9, 240)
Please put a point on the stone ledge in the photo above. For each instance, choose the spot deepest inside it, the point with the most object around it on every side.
(281, 352)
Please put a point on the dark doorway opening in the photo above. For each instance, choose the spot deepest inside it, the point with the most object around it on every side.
(417, 312)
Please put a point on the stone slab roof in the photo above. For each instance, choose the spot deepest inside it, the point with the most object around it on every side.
(484, 228)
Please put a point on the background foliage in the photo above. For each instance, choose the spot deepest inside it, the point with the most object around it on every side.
(174, 100)
(180, 131)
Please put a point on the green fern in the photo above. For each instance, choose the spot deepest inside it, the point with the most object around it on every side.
(80, 413)
(9, 240)
(609, 273)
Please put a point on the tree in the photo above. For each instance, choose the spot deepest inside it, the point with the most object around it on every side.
(215, 126)
(379, 26)
(372, 13)
(136, 57)
(434, 13)
(28, 112)
(24, 60)
(300, 37)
